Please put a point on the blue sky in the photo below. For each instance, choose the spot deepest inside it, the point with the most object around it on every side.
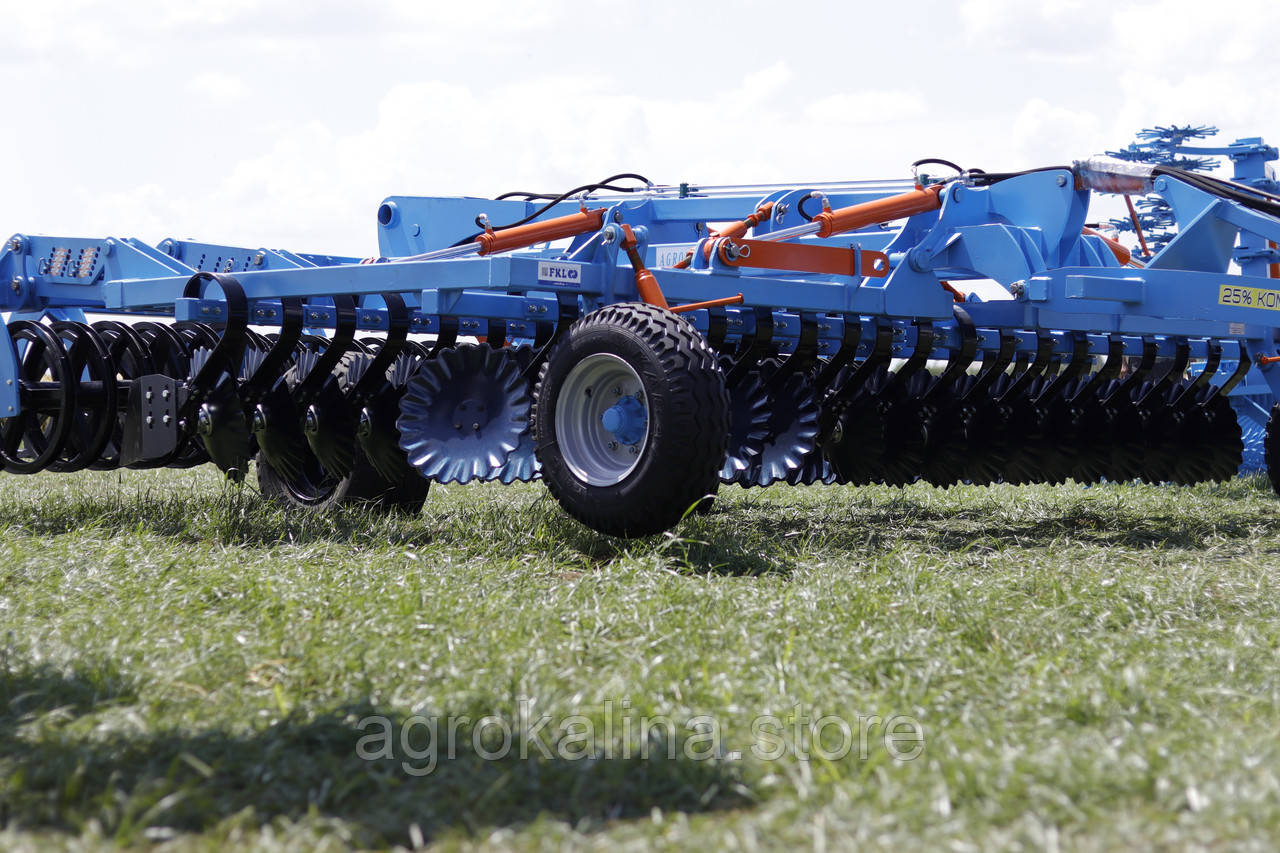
(284, 124)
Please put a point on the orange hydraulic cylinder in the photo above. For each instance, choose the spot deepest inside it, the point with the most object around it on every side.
(541, 232)
(737, 229)
(733, 230)
(646, 282)
(918, 200)
(650, 291)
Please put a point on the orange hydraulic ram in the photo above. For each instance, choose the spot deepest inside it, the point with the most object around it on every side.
(541, 232)
(829, 222)
(646, 282)
(734, 230)
(918, 200)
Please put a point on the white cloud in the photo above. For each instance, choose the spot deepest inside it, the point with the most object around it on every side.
(446, 138)
(867, 107)
(1044, 132)
(217, 85)
(1004, 23)
(283, 124)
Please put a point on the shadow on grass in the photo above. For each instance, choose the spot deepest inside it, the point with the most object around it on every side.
(739, 537)
(232, 517)
(874, 530)
(141, 786)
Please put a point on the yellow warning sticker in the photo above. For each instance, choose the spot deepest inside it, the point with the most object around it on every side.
(1249, 297)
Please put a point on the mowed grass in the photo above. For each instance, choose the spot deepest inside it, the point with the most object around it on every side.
(182, 665)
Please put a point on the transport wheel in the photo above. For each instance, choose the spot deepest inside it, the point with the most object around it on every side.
(631, 420)
(315, 488)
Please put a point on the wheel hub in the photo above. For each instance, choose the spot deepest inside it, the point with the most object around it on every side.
(626, 419)
(602, 419)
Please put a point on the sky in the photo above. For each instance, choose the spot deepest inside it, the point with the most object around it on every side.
(283, 124)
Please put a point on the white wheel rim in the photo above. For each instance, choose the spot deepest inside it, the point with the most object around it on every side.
(600, 389)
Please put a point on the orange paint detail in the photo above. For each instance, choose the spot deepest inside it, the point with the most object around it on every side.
(1133, 217)
(735, 230)
(951, 288)
(541, 232)
(710, 303)
(1123, 255)
(646, 283)
(763, 254)
(1264, 360)
(1275, 268)
(918, 200)
(649, 289)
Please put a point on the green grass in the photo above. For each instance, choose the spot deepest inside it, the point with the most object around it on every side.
(1091, 667)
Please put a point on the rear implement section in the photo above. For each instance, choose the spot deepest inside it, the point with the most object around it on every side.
(636, 345)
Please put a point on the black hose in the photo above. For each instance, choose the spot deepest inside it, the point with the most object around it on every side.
(552, 201)
(800, 209)
(1226, 185)
(986, 179)
(937, 161)
(1249, 197)
(524, 195)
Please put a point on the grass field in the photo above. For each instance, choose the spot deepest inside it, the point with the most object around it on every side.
(1087, 667)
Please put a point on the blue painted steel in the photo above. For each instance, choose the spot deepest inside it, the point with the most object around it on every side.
(10, 404)
(1022, 236)
(626, 419)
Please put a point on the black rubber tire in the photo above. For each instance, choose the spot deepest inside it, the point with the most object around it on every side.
(688, 420)
(1271, 447)
(317, 491)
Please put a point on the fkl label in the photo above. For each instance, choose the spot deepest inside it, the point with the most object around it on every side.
(568, 275)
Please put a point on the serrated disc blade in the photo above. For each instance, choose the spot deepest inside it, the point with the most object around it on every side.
(463, 413)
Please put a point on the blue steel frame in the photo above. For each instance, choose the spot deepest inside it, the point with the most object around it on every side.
(1024, 233)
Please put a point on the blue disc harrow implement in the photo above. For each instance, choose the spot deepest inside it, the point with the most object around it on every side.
(636, 345)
